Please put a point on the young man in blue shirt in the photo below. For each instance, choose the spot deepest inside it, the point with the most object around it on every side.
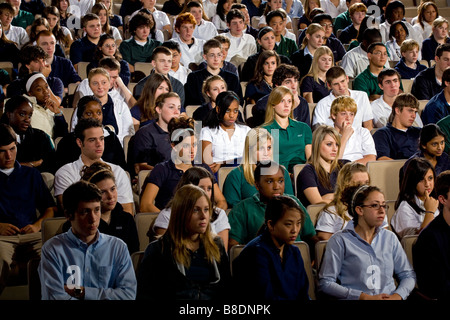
(438, 107)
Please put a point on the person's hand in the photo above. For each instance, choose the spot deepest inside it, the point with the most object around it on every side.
(52, 105)
(347, 131)
(214, 167)
(394, 296)
(46, 69)
(31, 228)
(430, 203)
(118, 83)
(381, 296)
(7, 229)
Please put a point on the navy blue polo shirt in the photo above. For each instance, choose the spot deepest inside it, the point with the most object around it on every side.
(166, 177)
(64, 70)
(151, 145)
(21, 193)
(82, 50)
(396, 144)
(108, 114)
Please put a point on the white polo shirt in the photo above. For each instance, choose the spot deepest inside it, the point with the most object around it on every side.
(323, 107)
(85, 6)
(359, 144)
(70, 173)
(356, 61)
(331, 9)
(160, 17)
(194, 53)
(181, 74)
(382, 111)
(18, 35)
(209, 8)
(224, 148)
(244, 46)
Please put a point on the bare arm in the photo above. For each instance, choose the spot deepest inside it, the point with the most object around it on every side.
(314, 197)
(219, 198)
(148, 197)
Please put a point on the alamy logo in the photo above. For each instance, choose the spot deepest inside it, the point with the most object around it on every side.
(373, 282)
(74, 280)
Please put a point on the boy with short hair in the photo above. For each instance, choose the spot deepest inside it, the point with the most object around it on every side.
(139, 48)
(241, 43)
(337, 81)
(357, 13)
(285, 40)
(83, 49)
(243, 8)
(438, 107)
(177, 70)
(22, 18)
(191, 47)
(409, 66)
(399, 139)
(213, 56)
(226, 65)
(13, 33)
(204, 30)
(356, 143)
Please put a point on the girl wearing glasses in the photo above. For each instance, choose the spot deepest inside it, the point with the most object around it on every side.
(361, 260)
(107, 47)
(416, 205)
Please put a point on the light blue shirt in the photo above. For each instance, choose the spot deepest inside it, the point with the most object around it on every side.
(351, 265)
(103, 268)
(296, 9)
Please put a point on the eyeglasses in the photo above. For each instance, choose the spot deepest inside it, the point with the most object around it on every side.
(379, 53)
(327, 25)
(376, 206)
(212, 55)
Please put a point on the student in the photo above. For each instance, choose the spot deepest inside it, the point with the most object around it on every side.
(82, 206)
(399, 138)
(197, 176)
(333, 8)
(162, 61)
(63, 36)
(22, 18)
(437, 107)
(107, 47)
(337, 81)
(212, 54)
(83, 49)
(90, 139)
(220, 17)
(40, 24)
(209, 8)
(395, 11)
(12, 33)
(68, 151)
(161, 19)
(261, 83)
(409, 65)
(265, 41)
(294, 142)
(47, 114)
(61, 67)
(188, 262)
(249, 29)
(100, 10)
(305, 19)
(416, 205)
(258, 271)
(356, 60)
(222, 136)
(428, 82)
(398, 32)
(430, 252)
(139, 48)
(247, 216)
(114, 19)
(205, 29)
(357, 13)
(356, 143)
(317, 180)
(334, 216)
(212, 86)
(273, 5)
(256, 8)
(343, 275)
(34, 147)
(313, 85)
(63, 6)
(343, 20)
(225, 65)
(240, 182)
(431, 145)
(8, 49)
(314, 38)
(115, 111)
(177, 70)
(367, 81)
(151, 143)
(23, 192)
(287, 76)
(438, 36)
(285, 41)
(242, 44)
(427, 13)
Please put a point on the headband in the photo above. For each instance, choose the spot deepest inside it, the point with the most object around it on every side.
(360, 189)
(99, 171)
(33, 78)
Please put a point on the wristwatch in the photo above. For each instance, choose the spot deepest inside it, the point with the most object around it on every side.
(78, 293)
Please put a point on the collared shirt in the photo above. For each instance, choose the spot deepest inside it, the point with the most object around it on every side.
(425, 85)
(71, 173)
(17, 35)
(151, 145)
(104, 268)
(359, 144)
(436, 109)
(331, 9)
(64, 70)
(82, 50)
(356, 61)
(296, 9)
(407, 72)
(396, 144)
(245, 47)
(82, 6)
(191, 53)
(132, 52)
(291, 142)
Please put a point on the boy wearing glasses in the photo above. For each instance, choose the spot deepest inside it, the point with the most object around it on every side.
(212, 53)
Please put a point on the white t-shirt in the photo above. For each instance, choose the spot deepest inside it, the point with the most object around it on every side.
(224, 148)
(194, 53)
(323, 107)
(70, 173)
(359, 145)
(18, 35)
(181, 74)
(406, 220)
(331, 9)
(160, 17)
(356, 61)
(382, 111)
(221, 223)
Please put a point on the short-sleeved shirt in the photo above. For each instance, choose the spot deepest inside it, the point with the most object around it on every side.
(436, 109)
(359, 144)
(318, 89)
(396, 144)
(247, 217)
(82, 50)
(133, 52)
(151, 145)
(292, 142)
(165, 176)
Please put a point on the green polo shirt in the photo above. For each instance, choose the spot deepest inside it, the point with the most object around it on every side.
(368, 82)
(247, 217)
(342, 21)
(23, 19)
(444, 125)
(236, 188)
(291, 143)
(286, 47)
(133, 52)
